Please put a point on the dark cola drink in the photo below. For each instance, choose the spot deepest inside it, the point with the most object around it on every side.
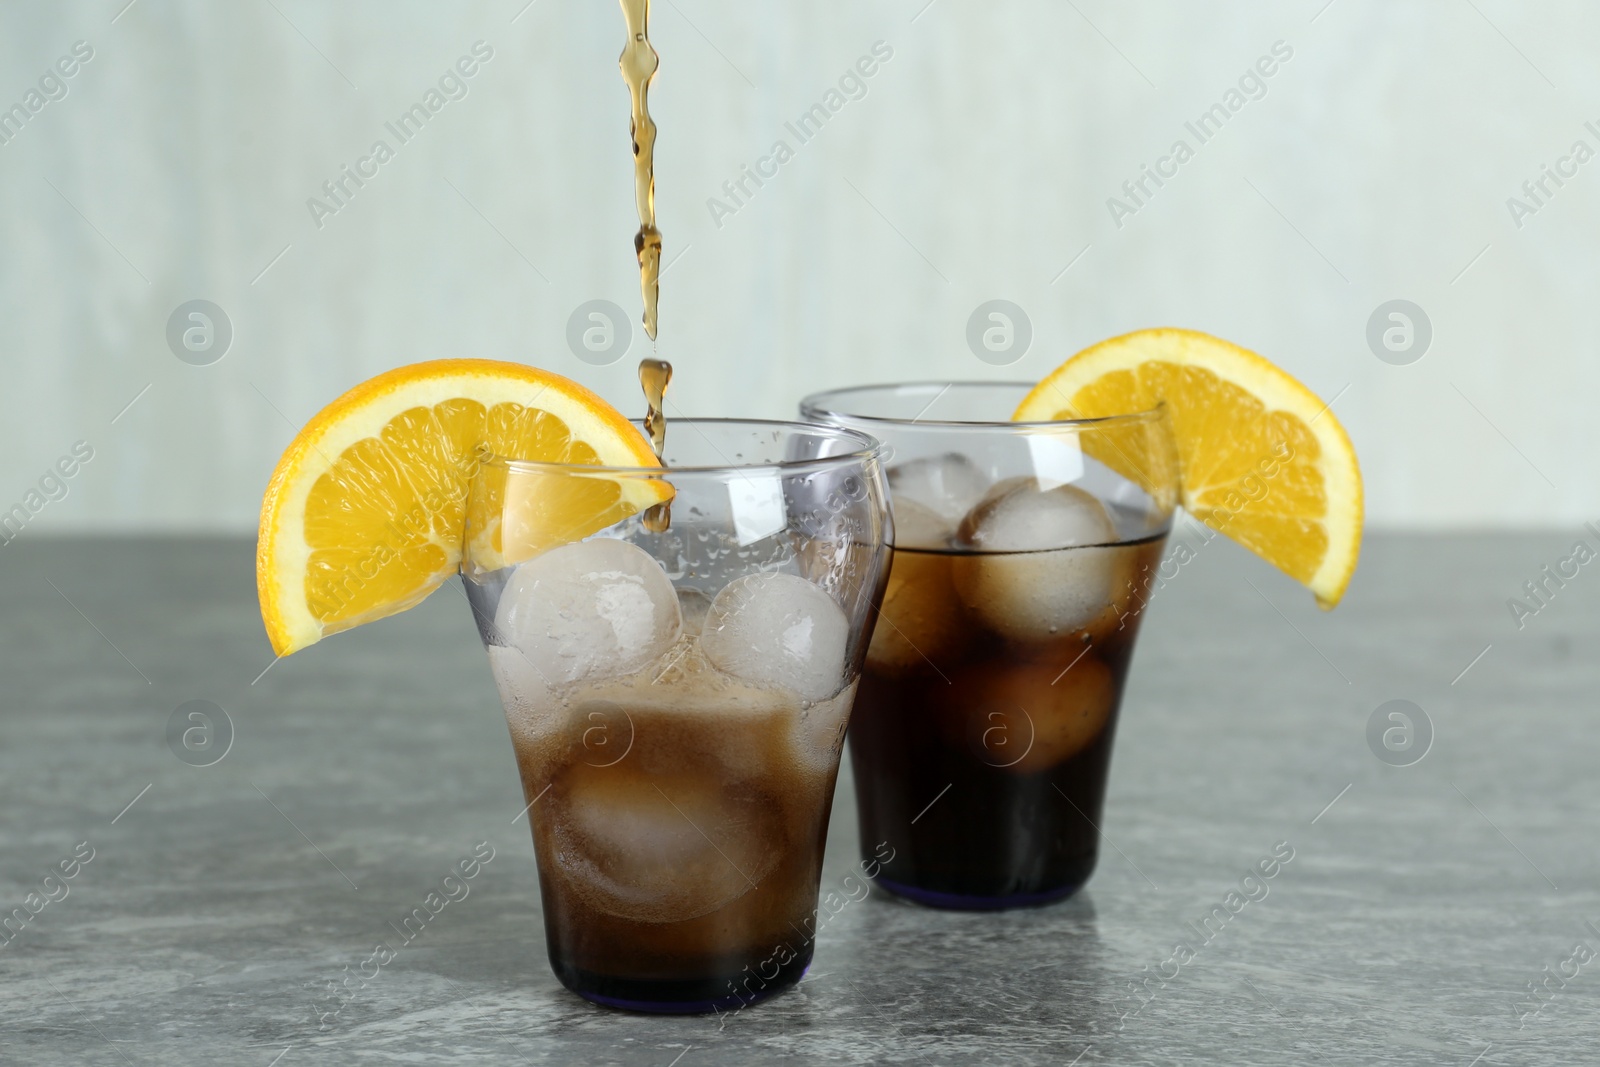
(678, 768)
(680, 829)
(983, 729)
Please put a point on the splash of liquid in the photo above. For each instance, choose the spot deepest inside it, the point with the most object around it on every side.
(654, 374)
(639, 62)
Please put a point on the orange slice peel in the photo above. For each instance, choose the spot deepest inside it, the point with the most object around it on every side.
(1261, 458)
(366, 511)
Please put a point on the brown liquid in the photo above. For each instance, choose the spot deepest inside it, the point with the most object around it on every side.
(654, 374)
(979, 757)
(639, 62)
(679, 822)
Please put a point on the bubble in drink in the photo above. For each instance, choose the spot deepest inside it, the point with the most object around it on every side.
(524, 693)
(950, 485)
(589, 610)
(819, 732)
(778, 630)
(1039, 565)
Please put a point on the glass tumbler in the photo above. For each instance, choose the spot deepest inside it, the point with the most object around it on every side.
(1023, 557)
(677, 650)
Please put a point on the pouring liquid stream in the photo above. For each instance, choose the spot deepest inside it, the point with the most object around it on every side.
(639, 62)
(654, 374)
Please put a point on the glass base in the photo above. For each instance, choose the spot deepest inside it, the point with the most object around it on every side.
(683, 997)
(965, 902)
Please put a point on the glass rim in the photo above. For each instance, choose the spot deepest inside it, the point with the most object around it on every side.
(813, 406)
(870, 449)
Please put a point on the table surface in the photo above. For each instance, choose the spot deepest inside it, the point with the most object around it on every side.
(222, 903)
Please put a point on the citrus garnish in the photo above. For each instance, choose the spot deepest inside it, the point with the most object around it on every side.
(1261, 459)
(365, 512)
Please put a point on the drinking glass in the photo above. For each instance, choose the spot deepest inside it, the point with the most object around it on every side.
(1024, 554)
(677, 688)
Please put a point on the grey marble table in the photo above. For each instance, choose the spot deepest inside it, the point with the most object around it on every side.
(219, 905)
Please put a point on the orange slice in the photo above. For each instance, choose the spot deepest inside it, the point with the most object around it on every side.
(365, 512)
(1261, 459)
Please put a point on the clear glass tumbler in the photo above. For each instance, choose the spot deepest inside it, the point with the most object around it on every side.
(677, 688)
(1023, 557)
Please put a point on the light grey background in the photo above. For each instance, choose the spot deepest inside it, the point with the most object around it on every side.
(977, 166)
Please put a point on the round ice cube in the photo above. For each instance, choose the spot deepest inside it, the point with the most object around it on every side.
(589, 610)
(949, 484)
(1027, 718)
(661, 848)
(919, 621)
(778, 630)
(919, 526)
(1040, 565)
